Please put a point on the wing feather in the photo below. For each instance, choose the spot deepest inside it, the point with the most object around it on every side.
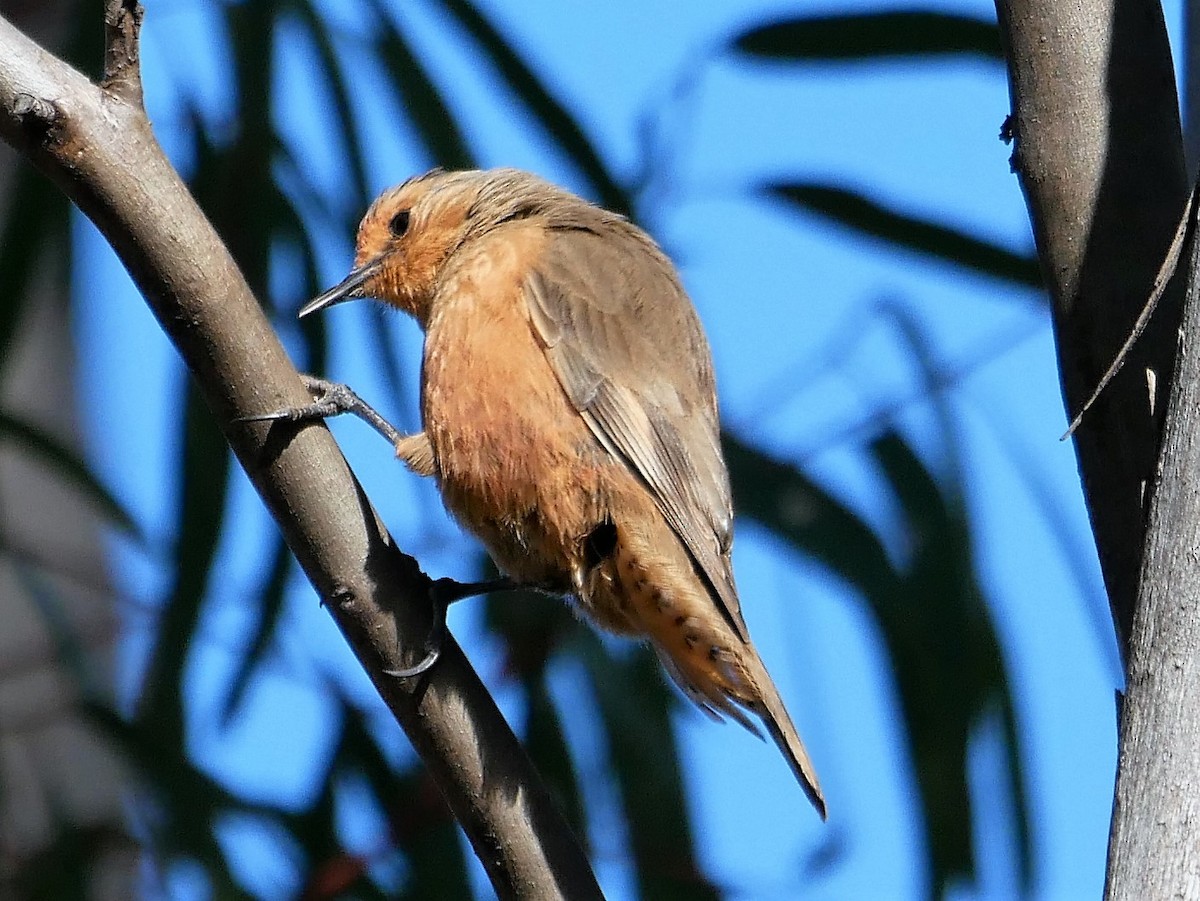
(625, 343)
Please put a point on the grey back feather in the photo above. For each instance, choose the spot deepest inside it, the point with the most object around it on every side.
(625, 343)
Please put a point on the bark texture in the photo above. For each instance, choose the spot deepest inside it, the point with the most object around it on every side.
(1100, 156)
(1154, 849)
(97, 145)
(1099, 153)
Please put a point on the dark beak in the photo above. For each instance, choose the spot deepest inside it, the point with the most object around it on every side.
(348, 288)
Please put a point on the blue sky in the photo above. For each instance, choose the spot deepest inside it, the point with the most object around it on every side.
(779, 294)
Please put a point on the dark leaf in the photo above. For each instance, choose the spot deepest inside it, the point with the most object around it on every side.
(386, 351)
(33, 237)
(67, 866)
(872, 36)
(782, 498)
(868, 217)
(635, 706)
(420, 822)
(532, 626)
(936, 628)
(44, 448)
(184, 804)
(327, 862)
(558, 121)
(70, 652)
(85, 50)
(234, 182)
(204, 477)
(548, 749)
(930, 609)
(313, 329)
(970, 619)
(429, 836)
(1022, 810)
(346, 128)
(417, 92)
(269, 606)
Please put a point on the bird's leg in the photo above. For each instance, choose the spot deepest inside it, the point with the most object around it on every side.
(330, 399)
(443, 593)
(334, 399)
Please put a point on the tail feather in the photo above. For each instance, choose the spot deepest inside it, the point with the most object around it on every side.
(714, 704)
(748, 685)
(783, 732)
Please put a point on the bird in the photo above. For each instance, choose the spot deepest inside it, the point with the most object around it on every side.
(569, 418)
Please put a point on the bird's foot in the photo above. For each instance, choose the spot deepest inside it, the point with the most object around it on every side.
(443, 593)
(331, 399)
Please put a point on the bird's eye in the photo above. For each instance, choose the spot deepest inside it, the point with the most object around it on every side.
(399, 224)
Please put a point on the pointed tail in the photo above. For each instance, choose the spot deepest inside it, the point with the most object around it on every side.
(779, 725)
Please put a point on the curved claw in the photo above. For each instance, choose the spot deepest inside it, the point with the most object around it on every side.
(329, 399)
(433, 644)
(411, 672)
(305, 413)
(443, 593)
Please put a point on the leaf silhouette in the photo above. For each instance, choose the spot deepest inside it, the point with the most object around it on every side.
(868, 217)
(871, 37)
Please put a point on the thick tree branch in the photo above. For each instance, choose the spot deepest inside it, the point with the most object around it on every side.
(1154, 848)
(97, 145)
(1099, 154)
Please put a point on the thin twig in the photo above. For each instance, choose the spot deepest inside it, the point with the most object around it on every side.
(1185, 229)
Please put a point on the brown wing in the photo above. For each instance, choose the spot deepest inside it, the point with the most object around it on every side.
(627, 347)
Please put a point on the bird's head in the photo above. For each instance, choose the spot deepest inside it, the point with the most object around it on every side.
(411, 232)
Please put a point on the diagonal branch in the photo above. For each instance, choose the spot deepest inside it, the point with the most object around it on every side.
(96, 144)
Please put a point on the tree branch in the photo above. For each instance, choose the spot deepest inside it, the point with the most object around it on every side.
(1100, 156)
(1154, 845)
(97, 145)
(1099, 153)
(122, 63)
